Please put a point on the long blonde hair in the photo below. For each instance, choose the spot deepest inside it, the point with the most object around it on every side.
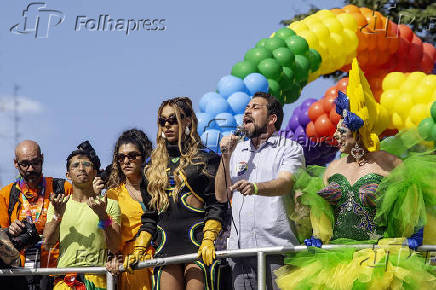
(156, 171)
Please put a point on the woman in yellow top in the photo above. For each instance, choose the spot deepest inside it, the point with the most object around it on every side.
(124, 185)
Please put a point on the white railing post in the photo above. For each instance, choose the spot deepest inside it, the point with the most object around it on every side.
(110, 281)
(261, 271)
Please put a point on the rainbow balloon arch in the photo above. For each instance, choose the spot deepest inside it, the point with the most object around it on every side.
(397, 64)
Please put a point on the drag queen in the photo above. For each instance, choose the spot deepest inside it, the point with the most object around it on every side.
(367, 196)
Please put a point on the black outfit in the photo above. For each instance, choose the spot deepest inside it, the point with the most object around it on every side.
(180, 227)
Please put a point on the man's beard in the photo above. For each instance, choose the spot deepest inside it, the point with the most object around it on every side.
(257, 131)
(32, 176)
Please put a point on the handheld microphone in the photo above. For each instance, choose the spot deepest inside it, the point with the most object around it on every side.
(240, 131)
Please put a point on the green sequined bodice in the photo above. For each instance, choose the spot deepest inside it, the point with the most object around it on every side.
(354, 206)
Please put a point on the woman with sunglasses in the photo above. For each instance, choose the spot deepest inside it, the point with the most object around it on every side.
(124, 185)
(181, 184)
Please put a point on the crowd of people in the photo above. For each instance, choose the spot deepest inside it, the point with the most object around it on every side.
(180, 198)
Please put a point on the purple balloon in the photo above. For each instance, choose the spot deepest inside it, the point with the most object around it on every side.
(289, 134)
(293, 122)
(303, 118)
(307, 103)
(299, 131)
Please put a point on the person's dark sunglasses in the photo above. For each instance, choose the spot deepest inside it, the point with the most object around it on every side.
(172, 120)
(131, 156)
(26, 163)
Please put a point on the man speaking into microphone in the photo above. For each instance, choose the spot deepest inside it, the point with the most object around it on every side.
(257, 175)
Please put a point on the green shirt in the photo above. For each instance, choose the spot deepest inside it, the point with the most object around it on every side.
(82, 242)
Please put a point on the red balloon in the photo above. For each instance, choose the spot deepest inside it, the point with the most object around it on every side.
(342, 85)
(324, 127)
(426, 63)
(403, 48)
(334, 117)
(405, 32)
(328, 102)
(387, 133)
(415, 56)
(310, 130)
(315, 110)
(332, 91)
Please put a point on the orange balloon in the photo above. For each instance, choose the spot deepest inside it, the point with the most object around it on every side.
(315, 110)
(365, 10)
(337, 11)
(380, 21)
(310, 130)
(324, 127)
(328, 102)
(363, 41)
(334, 117)
(405, 32)
(342, 85)
(381, 41)
(363, 57)
(360, 19)
(351, 8)
(331, 92)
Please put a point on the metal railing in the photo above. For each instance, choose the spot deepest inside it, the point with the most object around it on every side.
(261, 254)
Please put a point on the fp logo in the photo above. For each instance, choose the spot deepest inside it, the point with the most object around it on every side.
(38, 20)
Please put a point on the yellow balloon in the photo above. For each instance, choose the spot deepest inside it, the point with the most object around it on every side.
(429, 81)
(393, 80)
(311, 38)
(321, 31)
(423, 94)
(298, 26)
(350, 39)
(397, 122)
(348, 21)
(416, 76)
(418, 113)
(433, 98)
(409, 85)
(337, 44)
(388, 97)
(402, 104)
(333, 25)
(382, 120)
(323, 14)
(408, 124)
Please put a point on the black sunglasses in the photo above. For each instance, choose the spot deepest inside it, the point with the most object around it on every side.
(26, 163)
(131, 156)
(172, 120)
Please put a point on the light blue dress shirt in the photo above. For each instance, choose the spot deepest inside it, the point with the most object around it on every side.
(262, 221)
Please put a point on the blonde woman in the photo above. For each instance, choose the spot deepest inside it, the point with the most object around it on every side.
(180, 182)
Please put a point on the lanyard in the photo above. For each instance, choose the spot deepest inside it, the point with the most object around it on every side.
(33, 214)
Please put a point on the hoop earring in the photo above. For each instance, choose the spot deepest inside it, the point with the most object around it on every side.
(163, 135)
(357, 152)
(187, 131)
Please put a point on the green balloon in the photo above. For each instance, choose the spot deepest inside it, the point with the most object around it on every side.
(433, 133)
(274, 43)
(285, 82)
(292, 94)
(433, 111)
(262, 42)
(243, 68)
(284, 33)
(274, 86)
(425, 129)
(314, 59)
(301, 66)
(289, 73)
(270, 68)
(284, 56)
(256, 55)
(297, 44)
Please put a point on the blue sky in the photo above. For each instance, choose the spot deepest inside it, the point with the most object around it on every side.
(79, 85)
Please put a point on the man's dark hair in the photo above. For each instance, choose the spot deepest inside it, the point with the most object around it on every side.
(273, 107)
(87, 150)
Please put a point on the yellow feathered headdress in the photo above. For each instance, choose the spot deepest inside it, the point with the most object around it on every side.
(364, 105)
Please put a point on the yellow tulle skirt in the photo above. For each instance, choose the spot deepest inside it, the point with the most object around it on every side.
(388, 266)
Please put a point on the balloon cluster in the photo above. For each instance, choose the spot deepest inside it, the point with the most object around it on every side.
(427, 127)
(332, 35)
(316, 152)
(222, 111)
(408, 98)
(323, 114)
(285, 60)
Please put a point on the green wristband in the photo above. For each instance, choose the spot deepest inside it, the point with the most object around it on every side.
(256, 189)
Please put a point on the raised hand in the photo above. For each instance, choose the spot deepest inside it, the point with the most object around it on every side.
(98, 205)
(59, 203)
